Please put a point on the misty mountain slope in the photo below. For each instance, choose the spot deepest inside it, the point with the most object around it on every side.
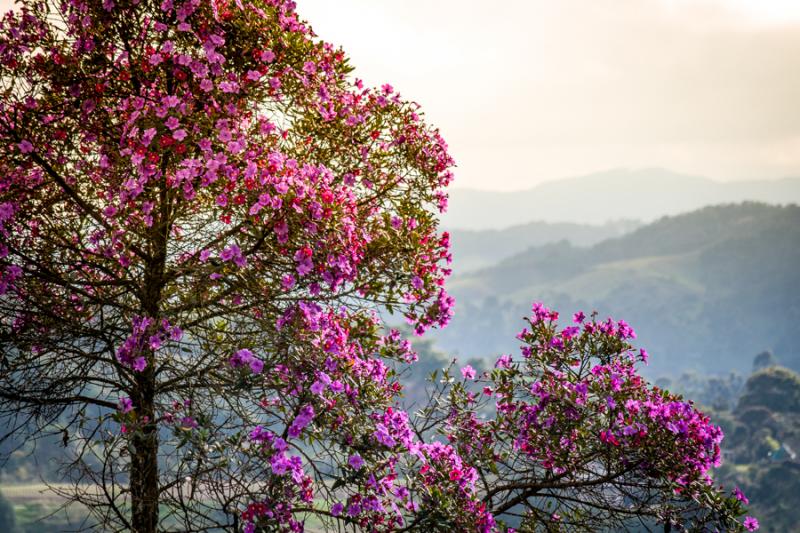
(473, 249)
(704, 291)
(641, 194)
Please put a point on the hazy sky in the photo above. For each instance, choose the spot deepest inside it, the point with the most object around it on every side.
(531, 90)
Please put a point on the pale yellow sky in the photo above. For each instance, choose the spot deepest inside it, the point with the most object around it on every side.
(532, 90)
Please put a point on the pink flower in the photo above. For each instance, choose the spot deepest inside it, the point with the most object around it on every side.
(179, 135)
(267, 56)
(310, 67)
(750, 523)
(25, 147)
(468, 372)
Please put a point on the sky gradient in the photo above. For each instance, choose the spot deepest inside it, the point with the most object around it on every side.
(532, 90)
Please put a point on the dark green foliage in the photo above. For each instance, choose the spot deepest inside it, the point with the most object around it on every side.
(776, 389)
(762, 435)
(763, 360)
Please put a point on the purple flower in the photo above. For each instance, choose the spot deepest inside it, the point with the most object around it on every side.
(303, 418)
(317, 388)
(256, 366)
(356, 461)
(176, 333)
(125, 405)
(139, 364)
(230, 252)
(188, 422)
(468, 372)
(336, 509)
(382, 436)
(750, 523)
(740, 495)
(25, 147)
(245, 357)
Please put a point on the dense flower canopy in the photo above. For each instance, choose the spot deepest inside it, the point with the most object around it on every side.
(576, 436)
(196, 197)
(203, 220)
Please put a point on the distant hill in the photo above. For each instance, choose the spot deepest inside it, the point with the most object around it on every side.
(642, 194)
(473, 249)
(704, 290)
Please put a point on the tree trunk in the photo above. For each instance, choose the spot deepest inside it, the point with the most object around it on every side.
(144, 460)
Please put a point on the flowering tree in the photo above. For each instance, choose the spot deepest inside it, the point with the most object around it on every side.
(199, 213)
(575, 439)
(200, 217)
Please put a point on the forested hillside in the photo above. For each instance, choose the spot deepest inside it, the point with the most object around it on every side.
(473, 249)
(704, 290)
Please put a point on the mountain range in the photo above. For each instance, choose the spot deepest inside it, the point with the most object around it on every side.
(639, 194)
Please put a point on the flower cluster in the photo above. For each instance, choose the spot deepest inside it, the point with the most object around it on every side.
(147, 337)
(575, 396)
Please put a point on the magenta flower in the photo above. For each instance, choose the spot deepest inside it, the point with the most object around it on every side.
(125, 405)
(750, 523)
(504, 361)
(468, 372)
(187, 422)
(310, 67)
